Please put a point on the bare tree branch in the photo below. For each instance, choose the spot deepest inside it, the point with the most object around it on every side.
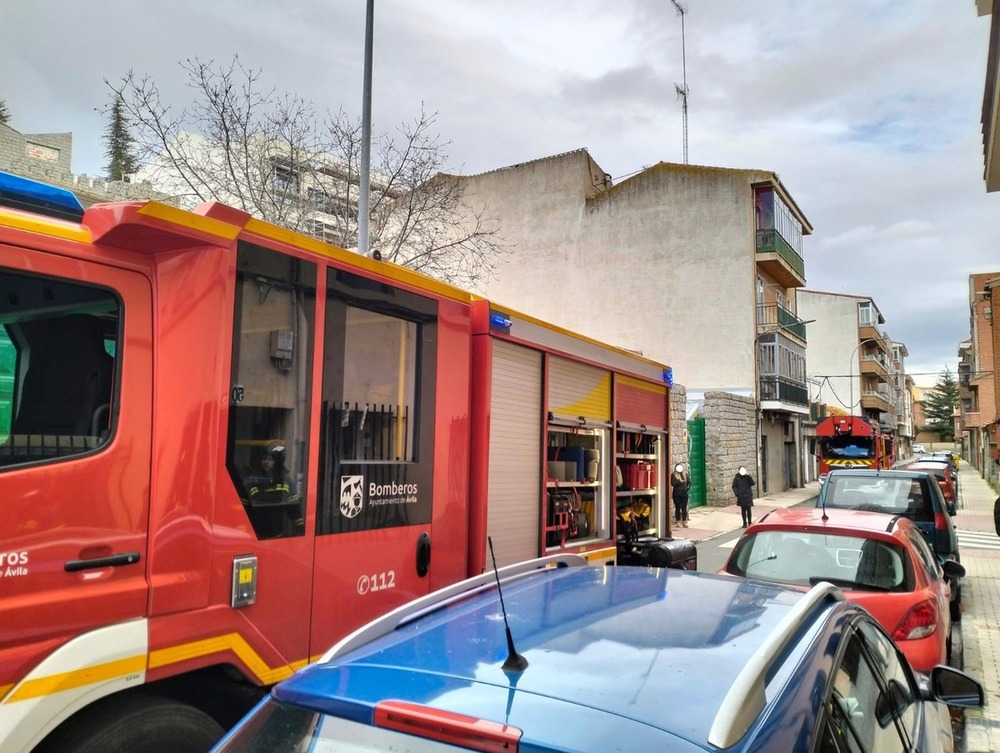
(267, 154)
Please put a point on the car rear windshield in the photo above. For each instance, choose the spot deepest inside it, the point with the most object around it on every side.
(281, 728)
(805, 558)
(899, 496)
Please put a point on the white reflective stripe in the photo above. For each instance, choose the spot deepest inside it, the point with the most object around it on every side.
(76, 674)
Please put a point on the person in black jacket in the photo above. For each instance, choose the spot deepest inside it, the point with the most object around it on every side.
(680, 486)
(743, 489)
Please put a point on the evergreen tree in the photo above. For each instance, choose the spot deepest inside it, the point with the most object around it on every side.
(939, 406)
(4, 112)
(118, 141)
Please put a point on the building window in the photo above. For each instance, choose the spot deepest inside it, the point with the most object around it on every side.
(774, 214)
(285, 179)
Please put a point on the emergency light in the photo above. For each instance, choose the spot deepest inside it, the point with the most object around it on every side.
(500, 322)
(30, 195)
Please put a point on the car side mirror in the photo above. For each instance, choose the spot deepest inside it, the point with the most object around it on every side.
(954, 687)
(953, 570)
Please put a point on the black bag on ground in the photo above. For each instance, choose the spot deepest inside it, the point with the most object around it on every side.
(651, 551)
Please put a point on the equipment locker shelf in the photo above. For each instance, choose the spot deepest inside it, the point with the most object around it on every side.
(574, 484)
(636, 479)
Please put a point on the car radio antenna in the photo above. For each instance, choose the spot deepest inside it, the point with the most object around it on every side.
(514, 663)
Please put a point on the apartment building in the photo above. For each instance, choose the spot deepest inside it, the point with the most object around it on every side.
(854, 365)
(690, 265)
(979, 392)
(902, 399)
(991, 96)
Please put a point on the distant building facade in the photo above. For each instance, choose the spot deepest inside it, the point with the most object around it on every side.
(47, 157)
(979, 396)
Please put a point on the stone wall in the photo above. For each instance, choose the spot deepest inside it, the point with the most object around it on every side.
(678, 427)
(730, 441)
(46, 157)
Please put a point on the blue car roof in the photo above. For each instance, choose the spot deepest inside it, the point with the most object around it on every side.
(648, 654)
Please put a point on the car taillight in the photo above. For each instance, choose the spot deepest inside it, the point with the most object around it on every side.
(447, 727)
(919, 622)
(939, 522)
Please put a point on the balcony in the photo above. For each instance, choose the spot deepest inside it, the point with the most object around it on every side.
(777, 389)
(771, 318)
(780, 260)
(873, 366)
(875, 401)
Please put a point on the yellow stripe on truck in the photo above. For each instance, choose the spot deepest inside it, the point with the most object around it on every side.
(78, 678)
(230, 642)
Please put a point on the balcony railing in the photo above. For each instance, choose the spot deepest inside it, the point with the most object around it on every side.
(771, 242)
(771, 316)
(783, 390)
(873, 400)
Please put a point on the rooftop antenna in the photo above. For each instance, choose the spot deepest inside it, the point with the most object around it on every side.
(514, 663)
(682, 89)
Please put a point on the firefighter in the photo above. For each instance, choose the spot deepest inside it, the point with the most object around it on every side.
(274, 482)
(273, 485)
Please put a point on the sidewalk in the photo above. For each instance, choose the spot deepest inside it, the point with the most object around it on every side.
(981, 608)
(708, 522)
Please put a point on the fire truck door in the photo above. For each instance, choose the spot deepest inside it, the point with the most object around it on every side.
(75, 392)
(376, 457)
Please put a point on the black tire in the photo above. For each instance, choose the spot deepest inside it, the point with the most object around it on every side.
(955, 606)
(135, 724)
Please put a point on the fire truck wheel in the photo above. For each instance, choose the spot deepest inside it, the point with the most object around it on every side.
(138, 724)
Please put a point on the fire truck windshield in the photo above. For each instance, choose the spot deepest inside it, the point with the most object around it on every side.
(846, 447)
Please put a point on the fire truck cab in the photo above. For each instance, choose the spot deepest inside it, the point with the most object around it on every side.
(852, 442)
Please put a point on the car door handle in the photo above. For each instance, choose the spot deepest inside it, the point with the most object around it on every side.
(114, 560)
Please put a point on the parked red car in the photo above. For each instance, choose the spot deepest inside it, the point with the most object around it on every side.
(882, 562)
(940, 468)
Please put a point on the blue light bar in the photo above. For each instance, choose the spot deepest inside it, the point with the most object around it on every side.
(668, 376)
(499, 321)
(30, 195)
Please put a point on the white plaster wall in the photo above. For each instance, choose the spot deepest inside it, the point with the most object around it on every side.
(662, 263)
(831, 354)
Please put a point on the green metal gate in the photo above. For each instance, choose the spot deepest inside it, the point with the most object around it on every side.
(696, 461)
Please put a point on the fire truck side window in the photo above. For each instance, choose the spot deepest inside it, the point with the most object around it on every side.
(273, 333)
(57, 364)
(377, 421)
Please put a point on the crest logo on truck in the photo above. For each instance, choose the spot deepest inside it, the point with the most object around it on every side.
(352, 495)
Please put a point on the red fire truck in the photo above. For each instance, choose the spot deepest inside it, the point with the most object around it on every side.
(224, 445)
(853, 441)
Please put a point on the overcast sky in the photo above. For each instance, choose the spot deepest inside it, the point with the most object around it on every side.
(868, 110)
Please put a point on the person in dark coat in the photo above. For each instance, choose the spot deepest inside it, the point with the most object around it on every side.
(680, 488)
(743, 489)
